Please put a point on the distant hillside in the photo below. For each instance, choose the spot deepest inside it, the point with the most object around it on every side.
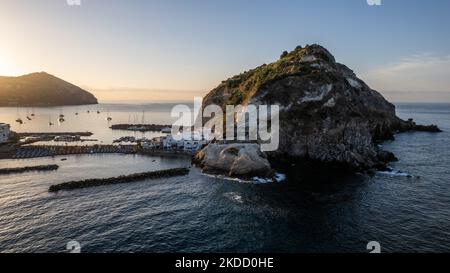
(41, 89)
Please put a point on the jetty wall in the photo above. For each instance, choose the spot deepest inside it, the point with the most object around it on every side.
(35, 151)
(118, 180)
(40, 168)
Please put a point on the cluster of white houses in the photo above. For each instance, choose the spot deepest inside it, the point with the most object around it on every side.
(4, 132)
(188, 142)
(184, 142)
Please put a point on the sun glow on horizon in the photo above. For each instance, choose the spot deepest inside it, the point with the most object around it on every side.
(7, 67)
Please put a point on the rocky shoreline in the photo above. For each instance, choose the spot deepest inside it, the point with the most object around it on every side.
(40, 168)
(73, 185)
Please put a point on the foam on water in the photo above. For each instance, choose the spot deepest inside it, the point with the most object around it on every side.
(234, 196)
(392, 172)
(278, 177)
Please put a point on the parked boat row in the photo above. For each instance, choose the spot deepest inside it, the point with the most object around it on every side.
(130, 139)
(29, 138)
(143, 127)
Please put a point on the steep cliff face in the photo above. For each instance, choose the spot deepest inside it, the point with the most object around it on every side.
(328, 114)
(41, 89)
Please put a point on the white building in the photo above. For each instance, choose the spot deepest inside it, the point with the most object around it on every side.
(188, 142)
(192, 141)
(168, 142)
(4, 132)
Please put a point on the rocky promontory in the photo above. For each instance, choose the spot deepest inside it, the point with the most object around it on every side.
(327, 114)
(40, 90)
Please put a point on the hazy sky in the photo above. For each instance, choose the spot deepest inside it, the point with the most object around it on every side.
(120, 49)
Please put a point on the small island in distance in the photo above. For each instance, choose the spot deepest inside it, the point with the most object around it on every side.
(41, 89)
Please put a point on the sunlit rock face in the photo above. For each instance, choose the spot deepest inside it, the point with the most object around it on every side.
(235, 160)
(328, 114)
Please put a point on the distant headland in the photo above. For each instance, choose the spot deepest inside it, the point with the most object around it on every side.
(41, 90)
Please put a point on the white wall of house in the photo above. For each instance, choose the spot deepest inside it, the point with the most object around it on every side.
(169, 143)
(192, 145)
(4, 132)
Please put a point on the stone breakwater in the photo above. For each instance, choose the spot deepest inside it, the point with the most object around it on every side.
(40, 168)
(36, 151)
(54, 134)
(46, 150)
(73, 185)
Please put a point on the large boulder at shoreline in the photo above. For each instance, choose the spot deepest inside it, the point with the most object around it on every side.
(327, 114)
(235, 160)
(41, 89)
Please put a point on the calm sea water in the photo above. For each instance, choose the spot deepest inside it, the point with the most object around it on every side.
(94, 122)
(199, 213)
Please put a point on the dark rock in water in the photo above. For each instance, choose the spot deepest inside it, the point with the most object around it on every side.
(41, 89)
(410, 125)
(328, 114)
(386, 156)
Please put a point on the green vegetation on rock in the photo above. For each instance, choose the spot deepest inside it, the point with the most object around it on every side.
(245, 85)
